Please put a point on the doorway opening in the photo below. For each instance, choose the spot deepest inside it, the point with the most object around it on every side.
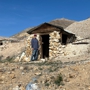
(1, 43)
(45, 46)
(64, 39)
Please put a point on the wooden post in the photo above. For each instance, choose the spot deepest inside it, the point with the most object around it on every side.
(41, 49)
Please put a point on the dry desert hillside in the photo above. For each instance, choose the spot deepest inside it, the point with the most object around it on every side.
(71, 71)
(81, 28)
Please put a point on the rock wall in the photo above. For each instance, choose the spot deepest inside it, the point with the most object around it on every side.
(55, 48)
(26, 55)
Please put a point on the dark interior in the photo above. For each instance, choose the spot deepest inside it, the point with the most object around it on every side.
(1, 43)
(64, 39)
(45, 46)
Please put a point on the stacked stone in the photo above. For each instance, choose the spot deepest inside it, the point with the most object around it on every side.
(28, 46)
(55, 45)
(25, 56)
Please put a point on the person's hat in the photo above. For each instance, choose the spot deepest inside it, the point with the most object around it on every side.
(35, 34)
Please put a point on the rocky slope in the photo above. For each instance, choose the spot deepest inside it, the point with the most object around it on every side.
(58, 74)
(62, 22)
(81, 28)
(12, 49)
(21, 35)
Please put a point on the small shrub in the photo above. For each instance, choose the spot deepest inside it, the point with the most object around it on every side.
(50, 70)
(8, 59)
(26, 68)
(1, 57)
(58, 80)
(40, 68)
(46, 84)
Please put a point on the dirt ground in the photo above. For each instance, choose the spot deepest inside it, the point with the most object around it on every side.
(12, 49)
(63, 73)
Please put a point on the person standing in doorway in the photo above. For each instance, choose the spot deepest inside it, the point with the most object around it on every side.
(35, 48)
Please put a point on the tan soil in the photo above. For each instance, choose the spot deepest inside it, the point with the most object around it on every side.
(81, 28)
(12, 49)
(76, 74)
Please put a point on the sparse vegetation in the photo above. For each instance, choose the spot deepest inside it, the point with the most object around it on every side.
(40, 68)
(52, 69)
(46, 84)
(47, 63)
(8, 59)
(1, 57)
(58, 80)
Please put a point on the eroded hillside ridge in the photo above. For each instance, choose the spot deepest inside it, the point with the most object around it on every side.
(81, 28)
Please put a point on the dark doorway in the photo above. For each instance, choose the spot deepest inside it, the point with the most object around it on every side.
(45, 46)
(1, 43)
(64, 39)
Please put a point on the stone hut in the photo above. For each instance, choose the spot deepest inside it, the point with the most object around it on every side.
(51, 39)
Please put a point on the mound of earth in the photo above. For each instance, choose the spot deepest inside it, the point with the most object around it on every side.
(81, 28)
(21, 35)
(62, 22)
(10, 50)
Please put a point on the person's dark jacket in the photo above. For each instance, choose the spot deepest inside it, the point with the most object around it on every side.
(34, 43)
